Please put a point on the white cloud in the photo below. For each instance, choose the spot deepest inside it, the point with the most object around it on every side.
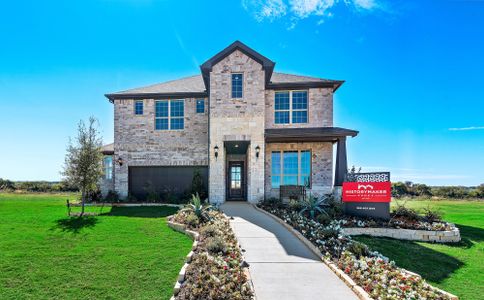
(365, 4)
(265, 9)
(467, 128)
(300, 9)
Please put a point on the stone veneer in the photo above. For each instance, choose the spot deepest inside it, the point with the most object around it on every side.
(320, 109)
(138, 143)
(237, 119)
(321, 166)
(451, 236)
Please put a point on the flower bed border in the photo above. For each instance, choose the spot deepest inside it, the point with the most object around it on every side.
(448, 236)
(359, 291)
(195, 235)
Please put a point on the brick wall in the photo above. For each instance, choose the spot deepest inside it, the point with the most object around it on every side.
(139, 144)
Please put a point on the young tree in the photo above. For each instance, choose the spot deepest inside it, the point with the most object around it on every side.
(83, 162)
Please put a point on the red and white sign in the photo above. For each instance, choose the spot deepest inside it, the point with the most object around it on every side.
(367, 191)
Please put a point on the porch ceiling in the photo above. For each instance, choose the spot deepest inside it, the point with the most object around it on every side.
(313, 134)
(236, 147)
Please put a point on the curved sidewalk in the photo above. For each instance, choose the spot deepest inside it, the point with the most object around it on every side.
(281, 266)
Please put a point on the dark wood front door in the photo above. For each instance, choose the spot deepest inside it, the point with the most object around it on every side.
(236, 181)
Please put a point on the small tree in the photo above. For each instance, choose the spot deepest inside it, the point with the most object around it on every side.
(83, 162)
(197, 184)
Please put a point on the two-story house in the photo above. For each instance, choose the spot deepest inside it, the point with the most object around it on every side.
(247, 129)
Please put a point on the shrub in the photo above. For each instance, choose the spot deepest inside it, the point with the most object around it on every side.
(324, 219)
(272, 202)
(314, 205)
(197, 184)
(131, 198)
(215, 245)
(209, 230)
(192, 220)
(358, 249)
(111, 196)
(431, 215)
(6, 184)
(199, 209)
(94, 196)
(153, 196)
(404, 212)
(294, 205)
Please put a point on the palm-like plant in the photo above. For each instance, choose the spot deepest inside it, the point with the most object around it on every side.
(314, 205)
(198, 208)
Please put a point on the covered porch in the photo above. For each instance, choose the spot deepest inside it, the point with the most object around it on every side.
(317, 136)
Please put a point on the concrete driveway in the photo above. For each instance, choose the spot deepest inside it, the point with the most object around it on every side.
(281, 266)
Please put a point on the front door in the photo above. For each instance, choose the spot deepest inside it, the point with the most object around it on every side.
(236, 181)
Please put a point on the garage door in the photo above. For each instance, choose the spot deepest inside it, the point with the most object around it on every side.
(176, 180)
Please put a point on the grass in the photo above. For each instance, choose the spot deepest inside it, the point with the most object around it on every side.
(456, 268)
(125, 253)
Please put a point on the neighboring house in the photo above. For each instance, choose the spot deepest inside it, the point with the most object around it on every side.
(247, 129)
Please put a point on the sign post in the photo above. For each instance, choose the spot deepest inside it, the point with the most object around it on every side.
(368, 195)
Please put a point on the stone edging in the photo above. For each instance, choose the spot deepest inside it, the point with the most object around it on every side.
(195, 235)
(121, 204)
(449, 236)
(358, 290)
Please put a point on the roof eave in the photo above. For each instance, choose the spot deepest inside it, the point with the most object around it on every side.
(140, 96)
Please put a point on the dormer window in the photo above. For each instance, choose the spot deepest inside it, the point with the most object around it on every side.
(291, 107)
(237, 85)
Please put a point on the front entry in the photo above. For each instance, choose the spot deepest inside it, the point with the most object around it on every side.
(236, 181)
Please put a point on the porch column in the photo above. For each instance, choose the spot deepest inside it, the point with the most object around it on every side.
(341, 163)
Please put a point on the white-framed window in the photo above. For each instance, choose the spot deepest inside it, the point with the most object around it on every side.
(290, 107)
(170, 114)
(237, 85)
(138, 107)
(291, 168)
(108, 167)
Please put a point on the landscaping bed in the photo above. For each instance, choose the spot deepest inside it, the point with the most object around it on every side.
(373, 272)
(216, 268)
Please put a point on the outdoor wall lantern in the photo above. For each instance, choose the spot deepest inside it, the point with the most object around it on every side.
(120, 161)
(257, 151)
(216, 151)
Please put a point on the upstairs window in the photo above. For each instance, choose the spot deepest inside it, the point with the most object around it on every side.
(138, 107)
(237, 85)
(200, 106)
(291, 107)
(291, 168)
(169, 114)
(108, 167)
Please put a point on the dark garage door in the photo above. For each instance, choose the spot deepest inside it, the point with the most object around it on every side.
(175, 180)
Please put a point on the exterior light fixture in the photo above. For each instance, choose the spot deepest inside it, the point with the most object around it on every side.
(120, 161)
(215, 149)
(257, 151)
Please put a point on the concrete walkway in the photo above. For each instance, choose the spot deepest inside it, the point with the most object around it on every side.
(281, 266)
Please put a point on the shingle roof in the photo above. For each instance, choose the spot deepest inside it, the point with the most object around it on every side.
(195, 85)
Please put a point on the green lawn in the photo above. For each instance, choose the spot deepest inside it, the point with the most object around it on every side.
(458, 268)
(126, 253)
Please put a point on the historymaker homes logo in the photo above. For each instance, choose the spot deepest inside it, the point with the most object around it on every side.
(367, 192)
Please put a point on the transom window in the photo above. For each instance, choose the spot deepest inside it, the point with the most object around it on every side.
(237, 85)
(108, 167)
(200, 106)
(291, 107)
(138, 107)
(291, 168)
(169, 114)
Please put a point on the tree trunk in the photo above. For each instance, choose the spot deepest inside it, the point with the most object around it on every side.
(83, 200)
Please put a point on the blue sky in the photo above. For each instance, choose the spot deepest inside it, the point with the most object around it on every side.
(413, 72)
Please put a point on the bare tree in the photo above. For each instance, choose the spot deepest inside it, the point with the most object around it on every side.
(83, 162)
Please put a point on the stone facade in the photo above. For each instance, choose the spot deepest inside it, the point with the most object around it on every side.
(320, 109)
(138, 143)
(451, 236)
(237, 119)
(321, 166)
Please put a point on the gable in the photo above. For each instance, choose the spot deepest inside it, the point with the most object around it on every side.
(266, 63)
